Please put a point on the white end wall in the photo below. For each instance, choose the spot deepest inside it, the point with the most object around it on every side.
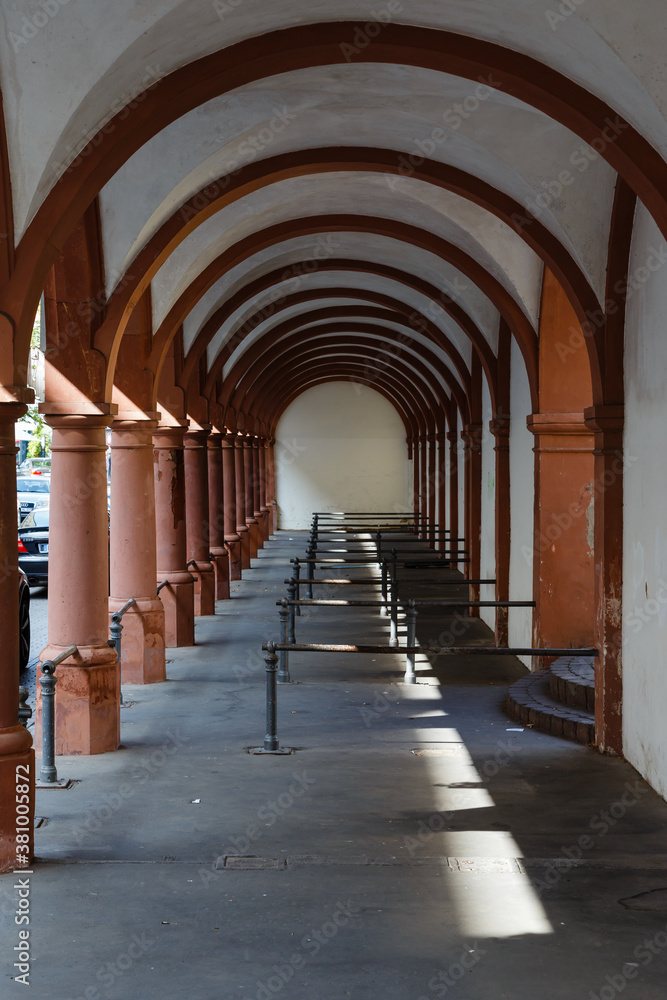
(645, 513)
(522, 499)
(488, 540)
(340, 446)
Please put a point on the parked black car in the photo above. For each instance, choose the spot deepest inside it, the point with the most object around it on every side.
(34, 547)
(24, 620)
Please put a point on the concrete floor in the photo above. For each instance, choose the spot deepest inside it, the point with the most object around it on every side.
(414, 846)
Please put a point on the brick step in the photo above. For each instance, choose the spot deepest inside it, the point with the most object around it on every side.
(529, 702)
(572, 681)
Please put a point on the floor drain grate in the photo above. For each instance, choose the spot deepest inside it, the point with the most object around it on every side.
(249, 862)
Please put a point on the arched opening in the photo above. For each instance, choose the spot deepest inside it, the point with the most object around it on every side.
(340, 446)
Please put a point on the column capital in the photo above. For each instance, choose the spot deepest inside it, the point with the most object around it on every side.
(471, 435)
(197, 437)
(605, 419)
(11, 411)
(557, 424)
(500, 428)
(452, 437)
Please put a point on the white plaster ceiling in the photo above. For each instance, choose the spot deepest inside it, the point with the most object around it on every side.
(70, 74)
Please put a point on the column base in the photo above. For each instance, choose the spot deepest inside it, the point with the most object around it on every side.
(204, 577)
(220, 560)
(142, 642)
(245, 546)
(178, 600)
(87, 701)
(256, 540)
(17, 770)
(266, 523)
(233, 547)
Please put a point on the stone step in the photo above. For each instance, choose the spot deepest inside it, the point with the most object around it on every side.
(529, 702)
(572, 681)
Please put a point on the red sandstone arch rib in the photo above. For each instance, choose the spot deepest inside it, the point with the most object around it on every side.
(562, 99)
(414, 376)
(305, 325)
(259, 285)
(494, 290)
(422, 417)
(248, 380)
(396, 315)
(306, 162)
(282, 401)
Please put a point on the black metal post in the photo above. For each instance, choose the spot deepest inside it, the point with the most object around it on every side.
(383, 587)
(297, 572)
(284, 615)
(271, 661)
(310, 561)
(291, 596)
(25, 711)
(411, 615)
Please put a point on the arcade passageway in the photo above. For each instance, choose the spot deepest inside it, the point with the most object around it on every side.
(416, 843)
(387, 258)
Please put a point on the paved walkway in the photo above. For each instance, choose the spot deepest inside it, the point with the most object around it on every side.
(415, 845)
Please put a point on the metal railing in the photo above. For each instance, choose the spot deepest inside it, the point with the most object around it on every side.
(273, 650)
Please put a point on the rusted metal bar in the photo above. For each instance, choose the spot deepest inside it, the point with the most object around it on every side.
(440, 650)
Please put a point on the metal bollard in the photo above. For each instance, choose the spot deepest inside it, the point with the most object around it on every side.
(271, 661)
(411, 615)
(393, 569)
(116, 633)
(284, 615)
(378, 546)
(291, 590)
(48, 680)
(393, 624)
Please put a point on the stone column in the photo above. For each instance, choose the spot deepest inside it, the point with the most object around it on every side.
(472, 439)
(606, 422)
(272, 503)
(133, 554)
(263, 498)
(441, 444)
(423, 485)
(500, 428)
(196, 520)
(563, 548)
(169, 480)
(216, 516)
(257, 492)
(250, 519)
(432, 479)
(232, 537)
(453, 439)
(17, 758)
(241, 526)
(88, 687)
